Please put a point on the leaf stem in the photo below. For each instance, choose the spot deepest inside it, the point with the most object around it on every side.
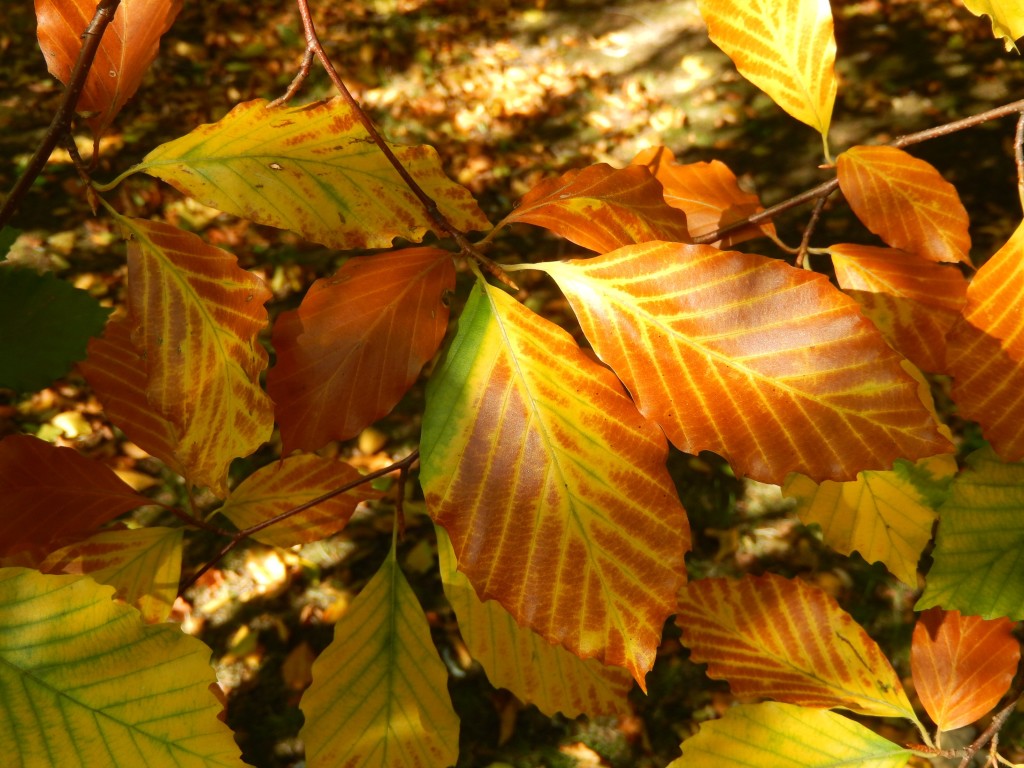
(826, 188)
(91, 38)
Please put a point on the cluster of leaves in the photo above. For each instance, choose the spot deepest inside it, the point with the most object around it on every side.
(561, 538)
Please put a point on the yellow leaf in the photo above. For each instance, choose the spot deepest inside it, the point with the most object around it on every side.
(1007, 18)
(142, 564)
(552, 486)
(767, 365)
(784, 47)
(522, 661)
(379, 697)
(314, 170)
(85, 683)
(784, 639)
(772, 735)
(197, 317)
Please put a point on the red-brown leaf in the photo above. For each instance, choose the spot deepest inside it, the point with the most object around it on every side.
(50, 492)
(707, 193)
(129, 46)
(602, 208)
(906, 202)
(962, 665)
(357, 343)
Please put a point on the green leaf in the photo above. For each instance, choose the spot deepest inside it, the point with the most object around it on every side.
(84, 683)
(380, 692)
(45, 324)
(773, 735)
(979, 550)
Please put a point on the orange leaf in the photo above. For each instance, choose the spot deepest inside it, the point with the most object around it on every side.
(764, 364)
(357, 343)
(906, 202)
(119, 376)
(962, 665)
(786, 640)
(197, 319)
(50, 492)
(602, 208)
(274, 489)
(708, 193)
(552, 486)
(986, 350)
(128, 47)
(913, 303)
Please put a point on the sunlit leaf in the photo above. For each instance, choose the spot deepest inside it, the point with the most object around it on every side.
(314, 170)
(772, 735)
(522, 661)
(785, 47)
(142, 564)
(85, 683)
(978, 564)
(119, 375)
(552, 486)
(986, 350)
(602, 208)
(274, 489)
(1007, 17)
(962, 665)
(906, 202)
(357, 343)
(912, 302)
(764, 364)
(708, 193)
(197, 317)
(128, 47)
(787, 640)
(379, 696)
(50, 492)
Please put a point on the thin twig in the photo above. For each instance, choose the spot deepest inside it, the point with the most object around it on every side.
(433, 212)
(91, 38)
(805, 241)
(828, 187)
(989, 733)
(298, 80)
(402, 465)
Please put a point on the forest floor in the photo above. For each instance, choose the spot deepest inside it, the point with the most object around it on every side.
(508, 93)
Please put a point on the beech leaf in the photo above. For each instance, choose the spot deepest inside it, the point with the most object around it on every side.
(379, 697)
(962, 665)
(85, 682)
(986, 350)
(785, 47)
(906, 202)
(50, 492)
(707, 193)
(129, 45)
(773, 735)
(1007, 17)
(312, 169)
(602, 208)
(978, 566)
(767, 365)
(786, 640)
(552, 486)
(913, 303)
(274, 489)
(523, 662)
(357, 343)
(197, 317)
(142, 564)
(119, 376)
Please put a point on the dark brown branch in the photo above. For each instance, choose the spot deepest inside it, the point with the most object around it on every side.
(298, 80)
(91, 38)
(433, 212)
(989, 733)
(828, 187)
(805, 241)
(402, 465)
